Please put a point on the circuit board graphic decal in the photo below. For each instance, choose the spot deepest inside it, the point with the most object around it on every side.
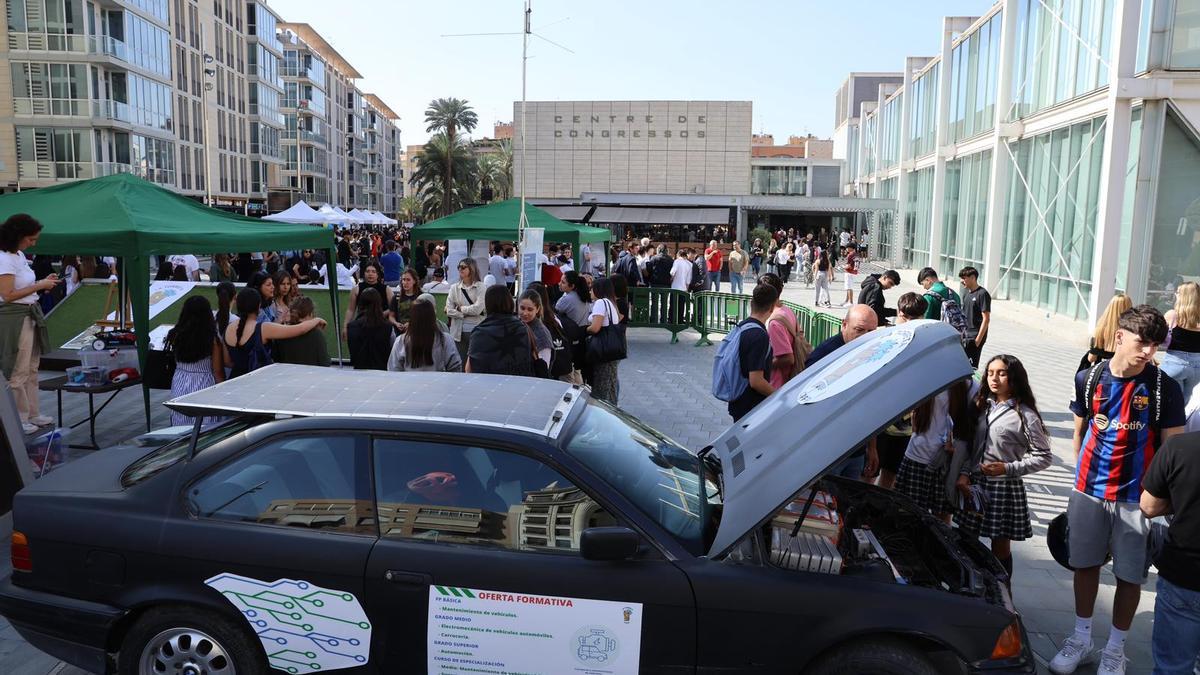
(303, 628)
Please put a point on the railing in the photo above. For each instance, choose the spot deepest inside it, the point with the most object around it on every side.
(305, 136)
(111, 110)
(50, 106)
(713, 313)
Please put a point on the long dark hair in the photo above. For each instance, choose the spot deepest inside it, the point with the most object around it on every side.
(603, 289)
(549, 317)
(225, 294)
(959, 407)
(370, 308)
(1018, 384)
(256, 282)
(192, 337)
(248, 304)
(17, 227)
(576, 280)
(421, 335)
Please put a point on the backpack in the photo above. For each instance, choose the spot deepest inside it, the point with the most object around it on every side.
(952, 314)
(1092, 383)
(801, 348)
(627, 267)
(728, 383)
(699, 278)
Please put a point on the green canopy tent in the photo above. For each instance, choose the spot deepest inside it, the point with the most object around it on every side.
(498, 221)
(127, 216)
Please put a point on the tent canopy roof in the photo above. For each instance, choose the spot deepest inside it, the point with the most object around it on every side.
(300, 212)
(499, 221)
(126, 215)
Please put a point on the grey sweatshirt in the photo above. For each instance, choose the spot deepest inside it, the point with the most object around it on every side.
(1000, 438)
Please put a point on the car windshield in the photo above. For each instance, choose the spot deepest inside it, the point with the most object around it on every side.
(658, 475)
(169, 454)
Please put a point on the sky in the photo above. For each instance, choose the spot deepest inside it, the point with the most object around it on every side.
(787, 56)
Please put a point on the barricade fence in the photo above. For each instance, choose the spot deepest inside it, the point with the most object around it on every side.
(711, 313)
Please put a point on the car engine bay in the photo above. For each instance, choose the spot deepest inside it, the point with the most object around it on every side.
(849, 528)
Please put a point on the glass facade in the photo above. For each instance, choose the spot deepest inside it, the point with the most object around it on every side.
(890, 128)
(1131, 171)
(778, 180)
(264, 140)
(150, 102)
(964, 212)
(1049, 235)
(49, 88)
(51, 25)
(265, 65)
(887, 219)
(154, 8)
(265, 102)
(261, 23)
(153, 159)
(1175, 237)
(869, 126)
(146, 45)
(975, 64)
(1062, 50)
(1185, 35)
(917, 215)
(45, 153)
(923, 111)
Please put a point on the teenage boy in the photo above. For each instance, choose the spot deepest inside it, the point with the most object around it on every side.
(936, 293)
(977, 309)
(754, 352)
(1124, 408)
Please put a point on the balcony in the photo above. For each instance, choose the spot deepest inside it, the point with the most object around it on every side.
(111, 110)
(305, 167)
(306, 136)
(42, 42)
(63, 107)
(48, 170)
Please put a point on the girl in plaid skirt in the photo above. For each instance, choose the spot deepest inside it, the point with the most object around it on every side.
(935, 424)
(1011, 442)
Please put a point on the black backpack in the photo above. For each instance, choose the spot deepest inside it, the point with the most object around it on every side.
(576, 342)
(1092, 382)
(699, 278)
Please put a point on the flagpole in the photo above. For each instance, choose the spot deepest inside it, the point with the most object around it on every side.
(522, 222)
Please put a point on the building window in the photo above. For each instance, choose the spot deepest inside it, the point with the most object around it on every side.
(45, 153)
(49, 88)
(975, 66)
(965, 212)
(779, 180)
(1050, 231)
(923, 111)
(1062, 48)
(917, 218)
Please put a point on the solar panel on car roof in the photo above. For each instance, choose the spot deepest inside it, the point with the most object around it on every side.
(521, 402)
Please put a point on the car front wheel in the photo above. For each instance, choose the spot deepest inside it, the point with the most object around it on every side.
(186, 641)
(879, 657)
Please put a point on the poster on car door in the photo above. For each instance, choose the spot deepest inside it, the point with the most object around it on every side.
(480, 631)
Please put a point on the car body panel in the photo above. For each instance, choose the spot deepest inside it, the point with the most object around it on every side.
(796, 435)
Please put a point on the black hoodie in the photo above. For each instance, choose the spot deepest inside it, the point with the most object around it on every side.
(872, 295)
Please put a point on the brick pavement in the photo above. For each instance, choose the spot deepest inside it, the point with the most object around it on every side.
(668, 387)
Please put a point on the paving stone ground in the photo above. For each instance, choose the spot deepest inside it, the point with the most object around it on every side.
(668, 386)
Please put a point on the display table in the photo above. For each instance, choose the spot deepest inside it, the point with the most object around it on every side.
(60, 384)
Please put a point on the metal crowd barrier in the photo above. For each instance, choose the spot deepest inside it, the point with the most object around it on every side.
(713, 313)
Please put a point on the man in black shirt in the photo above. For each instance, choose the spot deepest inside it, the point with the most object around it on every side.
(1172, 485)
(754, 352)
(859, 321)
(977, 309)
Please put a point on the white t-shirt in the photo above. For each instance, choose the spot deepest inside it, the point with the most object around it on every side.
(681, 274)
(924, 447)
(607, 309)
(17, 265)
(844, 239)
(782, 257)
(190, 264)
(345, 277)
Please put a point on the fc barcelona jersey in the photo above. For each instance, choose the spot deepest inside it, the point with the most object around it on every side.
(1121, 435)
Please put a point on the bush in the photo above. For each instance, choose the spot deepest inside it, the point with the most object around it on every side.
(759, 233)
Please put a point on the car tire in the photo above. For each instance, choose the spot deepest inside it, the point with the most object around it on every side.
(179, 635)
(879, 657)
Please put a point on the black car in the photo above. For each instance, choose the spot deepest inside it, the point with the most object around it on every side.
(404, 523)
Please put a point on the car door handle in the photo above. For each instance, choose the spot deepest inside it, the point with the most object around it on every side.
(408, 578)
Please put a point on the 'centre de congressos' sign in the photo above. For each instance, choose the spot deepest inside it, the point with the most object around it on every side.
(573, 130)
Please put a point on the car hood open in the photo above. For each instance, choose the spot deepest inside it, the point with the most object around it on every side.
(820, 417)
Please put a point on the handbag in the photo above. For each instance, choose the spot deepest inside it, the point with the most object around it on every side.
(160, 369)
(609, 343)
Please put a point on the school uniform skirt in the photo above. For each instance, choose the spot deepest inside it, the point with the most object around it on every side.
(1005, 513)
(923, 485)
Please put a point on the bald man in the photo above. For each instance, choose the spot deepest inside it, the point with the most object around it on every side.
(859, 321)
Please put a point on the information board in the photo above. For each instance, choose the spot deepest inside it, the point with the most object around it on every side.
(531, 250)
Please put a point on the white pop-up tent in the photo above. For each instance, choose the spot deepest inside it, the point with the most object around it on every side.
(300, 212)
(331, 214)
(382, 219)
(363, 217)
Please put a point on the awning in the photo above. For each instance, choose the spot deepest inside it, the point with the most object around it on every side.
(575, 213)
(659, 216)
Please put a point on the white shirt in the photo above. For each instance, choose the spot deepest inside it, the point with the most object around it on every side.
(496, 266)
(436, 287)
(17, 265)
(605, 308)
(681, 274)
(782, 257)
(190, 264)
(345, 277)
(844, 238)
(510, 270)
(924, 447)
(568, 266)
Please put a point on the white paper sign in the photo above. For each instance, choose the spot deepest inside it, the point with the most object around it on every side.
(855, 366)
(531, 249)
(479, 631)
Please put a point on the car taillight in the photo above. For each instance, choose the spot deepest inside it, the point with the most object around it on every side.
(1008, 645)
(22, 558)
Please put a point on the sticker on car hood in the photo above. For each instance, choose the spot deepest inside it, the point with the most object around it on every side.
(303, 627)
(500, 631)
(855, 367)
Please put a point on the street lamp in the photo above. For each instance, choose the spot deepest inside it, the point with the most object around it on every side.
(208, 86)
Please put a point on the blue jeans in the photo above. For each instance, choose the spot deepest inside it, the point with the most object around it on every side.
(851, 467)
(1176, 640)
(1184, 368)
(714, 282)
(735, 282)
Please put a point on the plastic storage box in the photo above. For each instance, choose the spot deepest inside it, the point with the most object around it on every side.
(109, 359)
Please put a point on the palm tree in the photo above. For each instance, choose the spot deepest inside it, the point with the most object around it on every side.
(410, 208)
(445, 191)
(448, 115)
(491, 175)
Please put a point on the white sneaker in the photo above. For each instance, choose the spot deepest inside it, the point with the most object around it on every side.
(1112, 663)
(1074, 651)
(29, 428)
(41, 420)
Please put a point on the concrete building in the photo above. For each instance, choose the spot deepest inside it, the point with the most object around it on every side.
(1050, 144)
(188, 94)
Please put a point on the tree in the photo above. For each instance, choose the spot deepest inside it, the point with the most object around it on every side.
(448, 115)
(446, 178)
(492, 175)
(410, 208)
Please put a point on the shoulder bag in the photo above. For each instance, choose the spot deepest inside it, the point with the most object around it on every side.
(609, 343)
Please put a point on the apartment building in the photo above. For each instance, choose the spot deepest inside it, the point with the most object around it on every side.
(219, 100)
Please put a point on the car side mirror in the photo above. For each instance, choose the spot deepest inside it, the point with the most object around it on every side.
(609, 543)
